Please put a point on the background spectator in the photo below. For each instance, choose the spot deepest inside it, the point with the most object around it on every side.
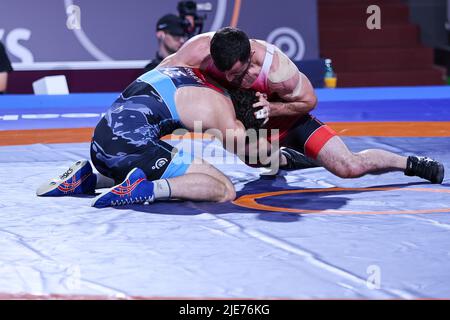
(171, 35)
(5, 68)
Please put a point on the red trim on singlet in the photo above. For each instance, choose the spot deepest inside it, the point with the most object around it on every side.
(317, 140)
(283, 124)
(199, 74)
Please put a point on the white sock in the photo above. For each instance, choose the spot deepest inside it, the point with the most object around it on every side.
(161, 189)
(103, 181)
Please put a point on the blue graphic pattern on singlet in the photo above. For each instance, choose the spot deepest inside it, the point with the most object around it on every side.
(141, 115)
(140, 120)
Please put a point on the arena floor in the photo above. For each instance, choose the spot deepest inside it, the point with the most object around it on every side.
(302, 234)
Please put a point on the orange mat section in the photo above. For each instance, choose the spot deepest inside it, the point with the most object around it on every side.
(354, 129)
(392, 129)
(19, 137)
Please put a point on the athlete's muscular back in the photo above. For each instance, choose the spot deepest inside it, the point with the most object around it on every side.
(206, 106)
(194, 53)
(210, 109)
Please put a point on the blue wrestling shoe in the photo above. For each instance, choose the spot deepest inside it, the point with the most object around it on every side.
(78, 179)
(135, 189)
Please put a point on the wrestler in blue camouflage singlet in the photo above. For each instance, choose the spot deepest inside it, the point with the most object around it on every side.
(128, 135)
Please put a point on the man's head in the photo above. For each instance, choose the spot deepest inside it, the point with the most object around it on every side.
(170, 33)
(243, 101)
(231, 52)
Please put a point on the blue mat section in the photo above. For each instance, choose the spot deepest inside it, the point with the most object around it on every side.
(362, 104)
(384, 110)
(437, 148)
(63, 102)
(192, 249)
(384, 93)
(22, 112)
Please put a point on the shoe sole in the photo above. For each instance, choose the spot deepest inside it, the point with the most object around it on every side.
(53, 184)
(110, 189)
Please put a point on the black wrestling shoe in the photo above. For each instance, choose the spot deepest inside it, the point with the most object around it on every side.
(297, 160)
(425, 168)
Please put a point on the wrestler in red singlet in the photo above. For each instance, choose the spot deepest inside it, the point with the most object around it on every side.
(302, 132)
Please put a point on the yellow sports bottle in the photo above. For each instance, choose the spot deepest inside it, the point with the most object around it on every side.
(330, 77)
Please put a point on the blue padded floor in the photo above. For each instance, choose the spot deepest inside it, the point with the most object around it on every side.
(24, 112)
(185, 249)
(382, 236)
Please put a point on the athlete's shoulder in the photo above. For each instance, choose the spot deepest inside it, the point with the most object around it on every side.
(282, 68)
(200, 42)
(261, 42)
(192, 54)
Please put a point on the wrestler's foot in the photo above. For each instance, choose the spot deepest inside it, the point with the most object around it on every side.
(425, 168)
(78, 179)
(297, 160)
(135, 189)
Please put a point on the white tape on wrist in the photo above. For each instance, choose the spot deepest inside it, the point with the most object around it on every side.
(262, 114)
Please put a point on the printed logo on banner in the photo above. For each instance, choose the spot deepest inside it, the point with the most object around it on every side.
(289, 41)
(13, 45)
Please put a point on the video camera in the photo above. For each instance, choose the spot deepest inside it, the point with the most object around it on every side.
(192, 20)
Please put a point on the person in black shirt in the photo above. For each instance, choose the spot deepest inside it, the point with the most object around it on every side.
(171, 35)
(5, 68)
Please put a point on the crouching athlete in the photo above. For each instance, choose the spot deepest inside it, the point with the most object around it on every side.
(139, 167)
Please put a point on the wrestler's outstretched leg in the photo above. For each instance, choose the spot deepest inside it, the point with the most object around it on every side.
(338, 159)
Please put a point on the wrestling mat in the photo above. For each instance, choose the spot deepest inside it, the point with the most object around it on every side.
(301, 234)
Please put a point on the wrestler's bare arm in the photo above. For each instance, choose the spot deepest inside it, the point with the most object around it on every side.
(234, 137)
(192, 54)
(219, 119)
(204, 109)
(213, 113)
(293, 87)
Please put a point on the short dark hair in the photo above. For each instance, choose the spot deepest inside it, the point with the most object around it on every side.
(243, 101)
(229, 45)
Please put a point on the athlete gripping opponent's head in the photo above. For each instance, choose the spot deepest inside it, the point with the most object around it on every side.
(127, 146)
(286, 97)
(243, 101)
(117, 149)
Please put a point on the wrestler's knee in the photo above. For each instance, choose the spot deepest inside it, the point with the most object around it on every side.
(228, 192)
(350, 167)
